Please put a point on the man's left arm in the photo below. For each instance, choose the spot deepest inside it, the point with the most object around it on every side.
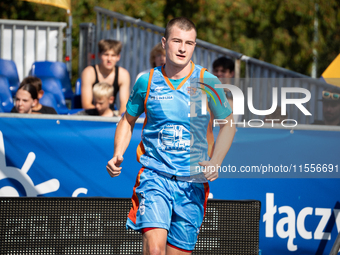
(226, 133)
(222, 145)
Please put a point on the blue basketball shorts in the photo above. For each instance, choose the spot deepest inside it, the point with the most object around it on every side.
(162, 202)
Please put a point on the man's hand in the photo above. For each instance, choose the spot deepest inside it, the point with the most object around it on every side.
(113, 166)
(210, 170)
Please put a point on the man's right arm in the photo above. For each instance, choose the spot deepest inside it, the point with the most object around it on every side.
(88, 77)
(122, 139)
(134, 109)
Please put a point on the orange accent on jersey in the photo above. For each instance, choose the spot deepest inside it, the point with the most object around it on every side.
(202, 74)
(148, 89)
(185, 79)
(135, 202)
(167, 79)
(140, 148)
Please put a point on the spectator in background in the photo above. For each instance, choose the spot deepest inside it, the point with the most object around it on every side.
(103, 98)
(37, 108)
(330, 108)
(223, 69)
(157, 58)
(26, 98)
(106, 71)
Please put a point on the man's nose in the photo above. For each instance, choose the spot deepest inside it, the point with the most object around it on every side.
(182, 47)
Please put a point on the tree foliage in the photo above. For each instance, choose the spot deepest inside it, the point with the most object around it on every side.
(280, 32)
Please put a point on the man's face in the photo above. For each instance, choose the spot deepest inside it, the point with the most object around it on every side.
(179, 46)
(102, 103)
(109, 59)
(331, 110)
(221, 73)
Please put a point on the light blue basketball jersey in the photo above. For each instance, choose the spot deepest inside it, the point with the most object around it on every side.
(172, 141)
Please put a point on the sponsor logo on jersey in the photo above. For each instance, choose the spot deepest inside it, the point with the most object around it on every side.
(158, 89)
(161, 97)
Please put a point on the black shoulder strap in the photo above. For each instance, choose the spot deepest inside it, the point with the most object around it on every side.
(95, 71)
(115, 82)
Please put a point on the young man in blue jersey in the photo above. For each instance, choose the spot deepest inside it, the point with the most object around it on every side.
(169, 199)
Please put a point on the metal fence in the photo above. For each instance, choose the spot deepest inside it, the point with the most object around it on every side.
(139, 38)
(25, 42)
(87, 46)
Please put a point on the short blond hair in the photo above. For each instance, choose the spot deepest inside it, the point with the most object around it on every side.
(102, 89)
(182, 22)
(108, 44)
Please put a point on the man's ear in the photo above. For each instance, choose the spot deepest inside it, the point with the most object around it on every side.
(111, 99)
(40, 94)
(118, 57)
(163, 42)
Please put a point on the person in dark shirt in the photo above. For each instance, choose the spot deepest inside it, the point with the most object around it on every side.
(26, 98)
(330, 108)
(223, 68)
(106, 71)
(37, 108)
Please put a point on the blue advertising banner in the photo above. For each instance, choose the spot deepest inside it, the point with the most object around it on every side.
(294, 173)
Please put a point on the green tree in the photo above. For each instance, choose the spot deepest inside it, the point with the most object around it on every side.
(328, 46)
(276, 31)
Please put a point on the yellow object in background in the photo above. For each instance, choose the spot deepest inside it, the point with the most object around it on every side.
(65, 4)
(332, 73)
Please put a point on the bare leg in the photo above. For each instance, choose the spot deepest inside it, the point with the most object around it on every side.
(154, 242)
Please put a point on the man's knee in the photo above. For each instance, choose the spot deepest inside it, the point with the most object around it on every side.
(155, 249)
(154, 242)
